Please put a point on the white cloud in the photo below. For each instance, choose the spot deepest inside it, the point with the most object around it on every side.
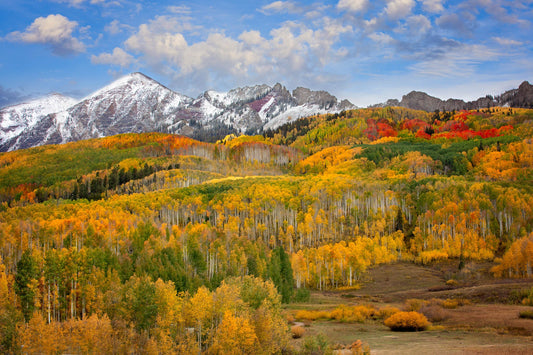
(414, 26)
(352, 5)
(397, 9)
(115, 27)
(78, 3)
(251, 38)
(118, 57)
(381, 37)
(54, 31)
(462, 23)
(280, 7)
(181, 9)
(434, 6)
(292, 50)
(506, 41)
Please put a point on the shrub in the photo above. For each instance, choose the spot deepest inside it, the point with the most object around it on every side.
(407, 322)
(385, 312)
(316, 345)
(297, 331)
(450, 303)
(526, 314)
(352, 314)
(290, 318)
(302, 295)
(524, 296)
(434, 312)
(312, 315)
(452, 282)
(413, 305)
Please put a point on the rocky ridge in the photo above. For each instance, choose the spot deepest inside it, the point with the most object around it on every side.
(417, 100)
(136, 103)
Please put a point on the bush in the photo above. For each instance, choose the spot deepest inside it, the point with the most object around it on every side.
(413, 305)
(385, 312)
(297, 331)
(434, 312)
(302, 295)
(290, 318)
(452, 282)
(312, 315)
(352, 314)
(526, 314)
(407, 322)
(455, 302)
(316, 345)
(450, 304)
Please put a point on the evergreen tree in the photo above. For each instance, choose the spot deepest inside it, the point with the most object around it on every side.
(280, 272)
(26, 273)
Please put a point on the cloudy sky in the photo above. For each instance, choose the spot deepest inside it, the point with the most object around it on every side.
(363, 50)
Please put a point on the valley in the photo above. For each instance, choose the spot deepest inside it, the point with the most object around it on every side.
(160, 243)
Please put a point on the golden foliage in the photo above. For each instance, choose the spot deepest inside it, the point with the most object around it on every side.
(297, 331)
(407, 321)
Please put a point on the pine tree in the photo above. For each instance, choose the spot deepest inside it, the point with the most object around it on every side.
(26, 273)
(280, 272)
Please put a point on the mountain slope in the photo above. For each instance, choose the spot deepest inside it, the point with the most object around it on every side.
(417, 100)
(136, 103)
(14, 120)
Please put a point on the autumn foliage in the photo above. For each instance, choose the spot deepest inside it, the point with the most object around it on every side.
(172, 245)
(407, 322)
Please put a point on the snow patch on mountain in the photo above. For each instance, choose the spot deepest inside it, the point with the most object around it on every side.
(15, 120)
(136, 103)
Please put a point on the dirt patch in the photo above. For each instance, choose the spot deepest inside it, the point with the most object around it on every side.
(394, 283)
(383, 341)
(503, 318)
(384, 280)
(490, 325)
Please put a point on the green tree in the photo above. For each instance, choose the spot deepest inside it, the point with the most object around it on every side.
(26, 274)
(280, 272)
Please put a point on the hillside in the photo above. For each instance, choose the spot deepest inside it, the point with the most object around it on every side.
(137, 231)
(136, 103)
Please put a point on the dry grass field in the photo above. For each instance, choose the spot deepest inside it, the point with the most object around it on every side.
(486, 323)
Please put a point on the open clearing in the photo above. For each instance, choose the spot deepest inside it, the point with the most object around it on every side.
(488, 325)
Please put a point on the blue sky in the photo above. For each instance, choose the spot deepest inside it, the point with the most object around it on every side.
(363, 50)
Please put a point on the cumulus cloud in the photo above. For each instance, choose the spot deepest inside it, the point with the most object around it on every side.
(118, 57)
(463, 23)
(115, 27)
(511, 12)
(381, 38)
(292, 49)
(414, 26)
(397, 9)
(433, 6)
(352, 5)
(54, 31)
(280, 7)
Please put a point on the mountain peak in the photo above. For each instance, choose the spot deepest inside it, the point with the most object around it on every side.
(419, 100)
(137, 103)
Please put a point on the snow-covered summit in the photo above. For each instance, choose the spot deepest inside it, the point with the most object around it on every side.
(16, 119)
(137, 103)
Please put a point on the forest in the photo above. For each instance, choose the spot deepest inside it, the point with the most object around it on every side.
(158, 243)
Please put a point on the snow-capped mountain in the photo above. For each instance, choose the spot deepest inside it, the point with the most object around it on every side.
(137, 103)
(15, 120)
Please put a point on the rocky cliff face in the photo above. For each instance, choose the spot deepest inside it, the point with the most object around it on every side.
(137, 103)
(521, 97)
